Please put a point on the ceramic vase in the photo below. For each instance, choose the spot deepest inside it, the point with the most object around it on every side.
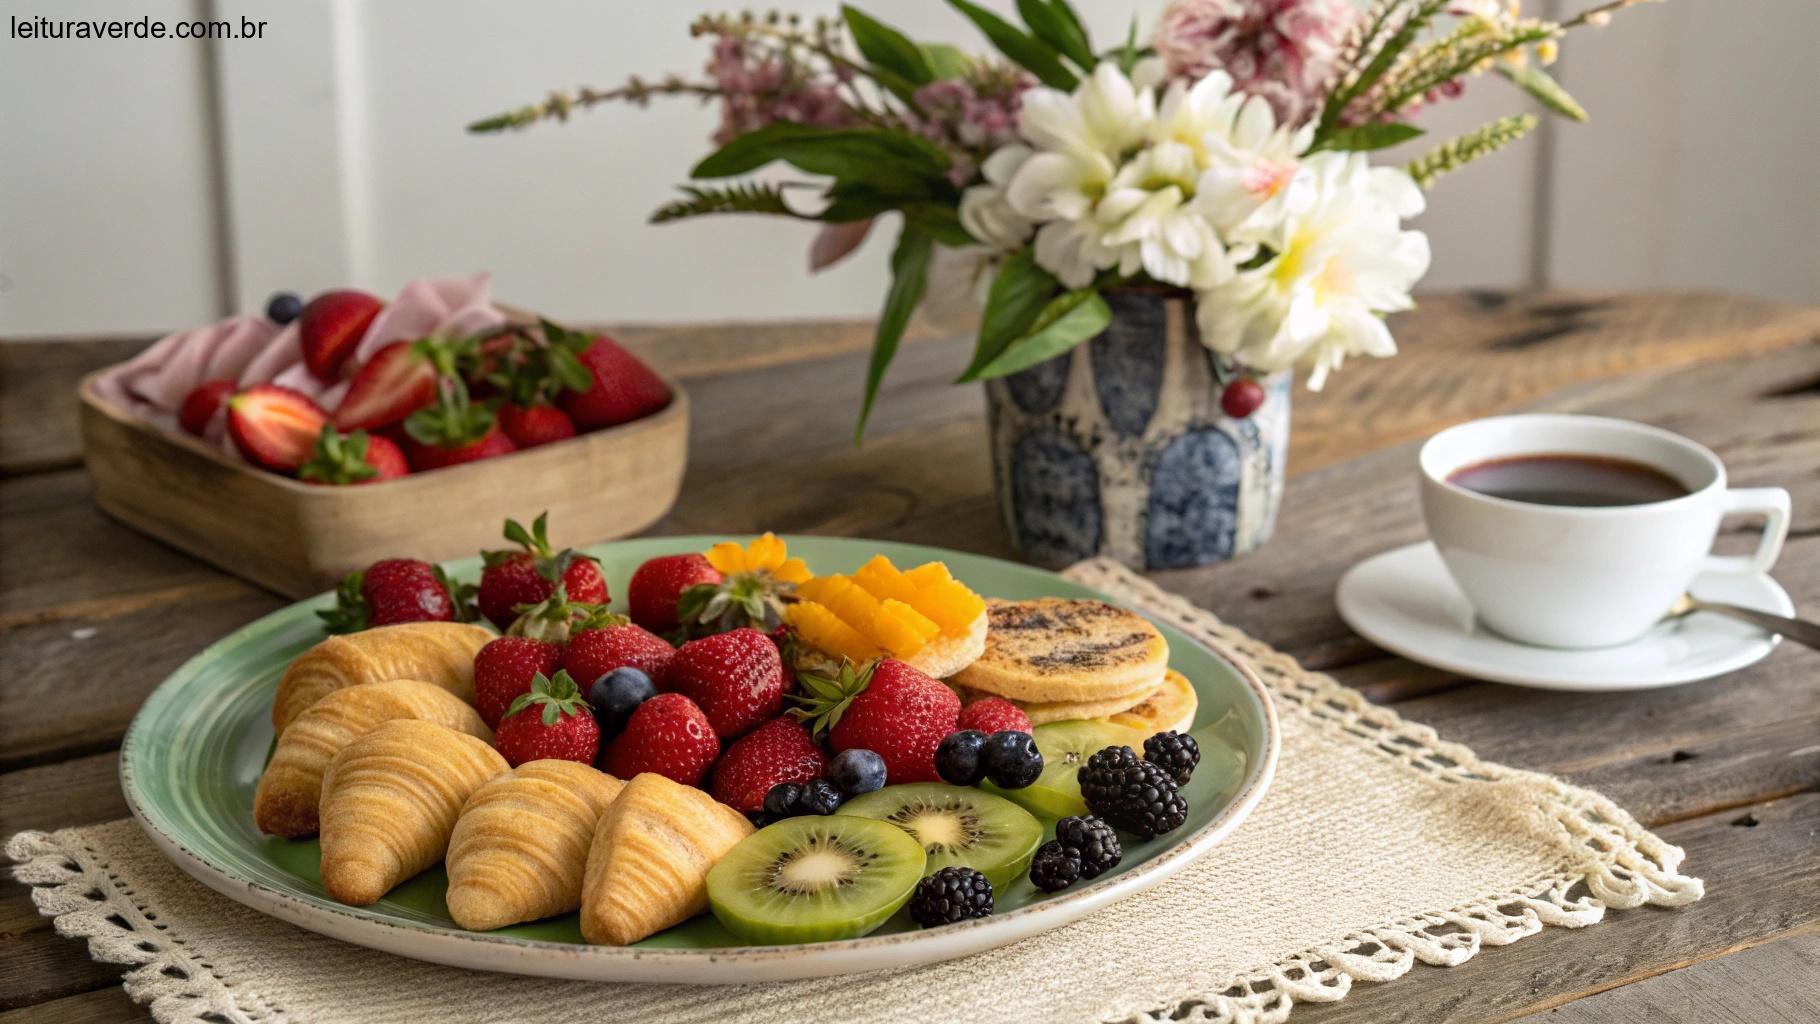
(1119, 447)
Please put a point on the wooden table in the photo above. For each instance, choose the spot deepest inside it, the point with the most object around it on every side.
(93, 616)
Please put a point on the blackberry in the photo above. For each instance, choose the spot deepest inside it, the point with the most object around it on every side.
(951, 894)
(1093, 841)
(1055, 867)
(1175, 753)
(1133, 795)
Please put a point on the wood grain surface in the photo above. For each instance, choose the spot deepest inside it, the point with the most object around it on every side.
(93, 615)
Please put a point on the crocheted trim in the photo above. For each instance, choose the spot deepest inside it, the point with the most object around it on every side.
(1608, 860)
(87, 901)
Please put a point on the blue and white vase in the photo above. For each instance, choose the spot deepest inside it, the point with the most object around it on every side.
(1120, 448)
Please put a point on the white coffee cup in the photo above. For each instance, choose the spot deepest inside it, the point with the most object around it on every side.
(1568, 576)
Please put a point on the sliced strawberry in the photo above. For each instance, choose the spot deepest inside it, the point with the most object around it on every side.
(201, 404)
(330, 328)
(399, 380)
(275, 427)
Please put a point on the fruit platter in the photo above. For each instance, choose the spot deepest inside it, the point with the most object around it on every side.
(696, 759)
(296, 443)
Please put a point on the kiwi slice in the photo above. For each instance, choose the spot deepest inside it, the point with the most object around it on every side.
(958, 826)
(812, 879)
(1066, 746)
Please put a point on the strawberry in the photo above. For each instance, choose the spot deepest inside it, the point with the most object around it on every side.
(388, 592)
(623, 388)
(531, 425)
(595, 650)
(780, 750)
(531, 575)
(652, 592)
(201, 404)
(887, 707)
(736, 677)
(397, 381)
(330, 328)
(551, 722)
(355, 458)
(425, 457)
(275, 427)
(668, 735)
(993, 714)
(504, 670)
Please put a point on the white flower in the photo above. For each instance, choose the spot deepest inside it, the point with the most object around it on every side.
(986, 211)
(1340, 263)
(1152, 219)
(1253, 177)
(1074, 251)
(1105, 114)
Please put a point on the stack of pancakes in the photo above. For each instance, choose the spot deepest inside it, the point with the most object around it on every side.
(1061, 659)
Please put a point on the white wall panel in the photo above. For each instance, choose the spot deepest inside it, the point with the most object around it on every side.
(107, 185)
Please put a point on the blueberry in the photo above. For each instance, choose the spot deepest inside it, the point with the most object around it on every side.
(781, 800)
(959, 759)
(819, 797)
(283, 307)
(857, 771)
(1011, 758)
(616, 694)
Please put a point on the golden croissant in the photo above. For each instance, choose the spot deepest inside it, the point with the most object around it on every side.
(521, 844)
(389, 803)
(648, 866)
(434, 652)
(291, 787)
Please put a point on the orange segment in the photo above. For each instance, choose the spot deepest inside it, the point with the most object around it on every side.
(821, 629)
(925, 627)
(882, 580)
(927, 575)
(951, 605)
(895, 631)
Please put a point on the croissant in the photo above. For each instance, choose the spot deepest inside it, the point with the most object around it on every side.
(390, 800)
(521, 844)
(291, 787)
(648, 866)
(435, 652)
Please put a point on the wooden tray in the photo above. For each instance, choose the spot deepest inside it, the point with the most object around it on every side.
(298, 538)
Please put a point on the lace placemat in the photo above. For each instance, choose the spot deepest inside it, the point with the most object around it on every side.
(1378, 845)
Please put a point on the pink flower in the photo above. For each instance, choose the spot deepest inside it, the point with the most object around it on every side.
(1281, 50)
(971, 117)
(762, 85)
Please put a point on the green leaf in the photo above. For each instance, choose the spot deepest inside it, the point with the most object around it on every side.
(1407, 32)
(1370, 136)
(1028, 52)
(1065, 322)
(1055, 23)
(947, 60)
(1019, 292)
(741, 197)
(888, 159)
(909, 275)
(889, 50)
(1544, 88)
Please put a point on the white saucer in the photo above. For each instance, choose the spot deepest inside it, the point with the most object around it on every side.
(1405, 602)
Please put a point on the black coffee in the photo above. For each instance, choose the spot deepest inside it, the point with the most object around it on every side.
(1587, 481)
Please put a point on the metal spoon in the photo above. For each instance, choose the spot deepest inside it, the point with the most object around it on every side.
(1795, 629)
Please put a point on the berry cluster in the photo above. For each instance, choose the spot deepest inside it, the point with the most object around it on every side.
(1083, 847)
(1134, 795)
(851, 773)
(951, 895)
(1008, 758)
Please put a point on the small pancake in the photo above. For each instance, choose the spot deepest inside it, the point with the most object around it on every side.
(1044, 713)
(1057, 651)
(1170, 708)
(943, 657)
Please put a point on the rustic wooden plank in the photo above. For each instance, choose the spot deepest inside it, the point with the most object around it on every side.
(39, 966)
(108, 1005)
(71, 692)
(1761, 880)
(1777, 983)
(63, 794)
(37, 398)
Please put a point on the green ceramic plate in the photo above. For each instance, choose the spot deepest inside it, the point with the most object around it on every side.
(194, 753)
